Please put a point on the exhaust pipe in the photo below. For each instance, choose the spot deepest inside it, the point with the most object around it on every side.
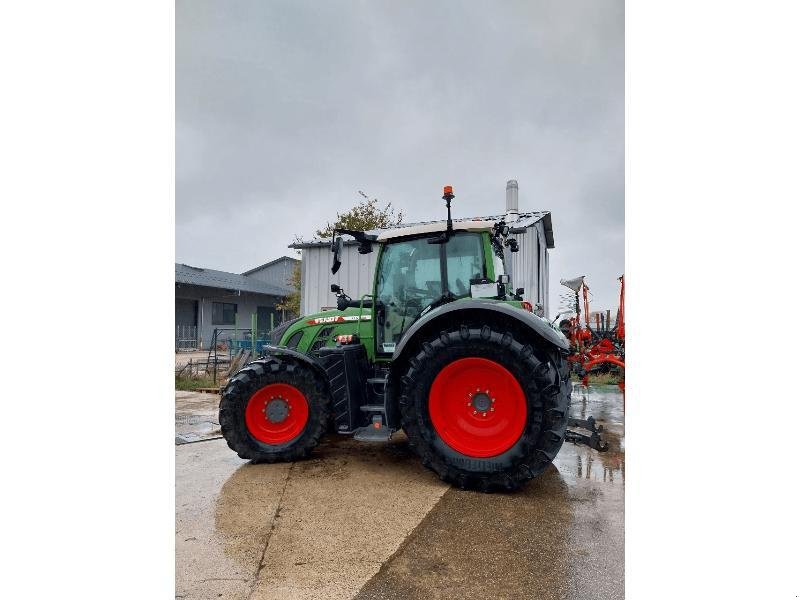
(512, 201)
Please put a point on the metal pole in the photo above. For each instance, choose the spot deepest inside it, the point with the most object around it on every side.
(253, 335)
(200, 329)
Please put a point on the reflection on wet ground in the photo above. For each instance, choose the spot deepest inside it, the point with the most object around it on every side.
(605, 404)
(368, 521)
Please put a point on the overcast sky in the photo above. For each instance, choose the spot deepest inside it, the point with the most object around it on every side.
(284, 110)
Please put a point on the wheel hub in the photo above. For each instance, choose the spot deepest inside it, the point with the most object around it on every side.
(276, 410)
(481, 401)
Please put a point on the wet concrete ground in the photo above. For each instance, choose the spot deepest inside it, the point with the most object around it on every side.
(196, 417)
(368, 521)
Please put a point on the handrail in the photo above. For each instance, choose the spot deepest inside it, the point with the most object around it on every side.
(361, 311)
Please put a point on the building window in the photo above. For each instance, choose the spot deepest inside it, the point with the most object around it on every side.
(223, 313)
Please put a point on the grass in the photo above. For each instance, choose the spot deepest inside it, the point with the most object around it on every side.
(600, 378)
(188, 384)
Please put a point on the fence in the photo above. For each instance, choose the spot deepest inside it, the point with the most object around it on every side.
(185, 338)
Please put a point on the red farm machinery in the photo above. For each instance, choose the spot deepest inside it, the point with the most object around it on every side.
(601, 349)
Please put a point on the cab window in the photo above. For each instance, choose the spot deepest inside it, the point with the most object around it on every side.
(465, 261)
(413, 274)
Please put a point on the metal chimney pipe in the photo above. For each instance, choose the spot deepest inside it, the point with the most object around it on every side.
(512, 200)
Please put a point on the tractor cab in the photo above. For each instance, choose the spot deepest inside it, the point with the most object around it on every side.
(422, 267)
(413, 277)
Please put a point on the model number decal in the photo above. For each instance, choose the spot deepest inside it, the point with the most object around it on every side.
(338, 319)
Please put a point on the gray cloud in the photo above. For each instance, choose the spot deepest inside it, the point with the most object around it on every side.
(285, 109)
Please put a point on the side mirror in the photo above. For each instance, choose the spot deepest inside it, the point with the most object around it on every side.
(520, 291)
(336, 247)
(335, 288)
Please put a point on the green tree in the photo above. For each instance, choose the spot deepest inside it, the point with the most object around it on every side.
(291, 303)
(363, 216)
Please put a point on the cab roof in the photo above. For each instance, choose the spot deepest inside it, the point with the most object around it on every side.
(432, 227)
(525, 220)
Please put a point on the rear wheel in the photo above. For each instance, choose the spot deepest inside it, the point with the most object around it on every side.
(484, 409)
(274, 410)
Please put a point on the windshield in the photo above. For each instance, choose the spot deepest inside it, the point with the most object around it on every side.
(413, 274)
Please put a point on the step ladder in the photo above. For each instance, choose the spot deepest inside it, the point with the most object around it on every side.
(376, 430)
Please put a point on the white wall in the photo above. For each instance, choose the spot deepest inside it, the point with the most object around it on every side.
(354, 276)
(530, 270)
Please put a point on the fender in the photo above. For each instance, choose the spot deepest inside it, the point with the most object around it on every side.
(537, 324)
(305, 358)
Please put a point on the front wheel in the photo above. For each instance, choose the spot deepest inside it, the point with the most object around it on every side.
(273, 410)
(484, 409)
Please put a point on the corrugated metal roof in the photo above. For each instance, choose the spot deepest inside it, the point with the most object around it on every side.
(525, 220)
(269, 264)
(224, 280)
(533, 218)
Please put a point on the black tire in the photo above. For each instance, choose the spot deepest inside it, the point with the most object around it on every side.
(543, 374)
(248, 381)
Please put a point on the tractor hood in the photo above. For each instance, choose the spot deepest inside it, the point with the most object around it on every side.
(322, 328)
(331, 317)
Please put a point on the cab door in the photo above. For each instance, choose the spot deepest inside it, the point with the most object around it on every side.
(412, 274)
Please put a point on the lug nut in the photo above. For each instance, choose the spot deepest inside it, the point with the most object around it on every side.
(492, 409)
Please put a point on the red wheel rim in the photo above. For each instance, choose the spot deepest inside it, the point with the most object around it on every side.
(477, 407)
(276, 414)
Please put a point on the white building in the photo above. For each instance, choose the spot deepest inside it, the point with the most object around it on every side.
(529, 269)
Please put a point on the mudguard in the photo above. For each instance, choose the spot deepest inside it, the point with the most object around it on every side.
(278, 351)
(537, 324)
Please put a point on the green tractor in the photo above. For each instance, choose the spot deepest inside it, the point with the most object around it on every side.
(441, 349)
